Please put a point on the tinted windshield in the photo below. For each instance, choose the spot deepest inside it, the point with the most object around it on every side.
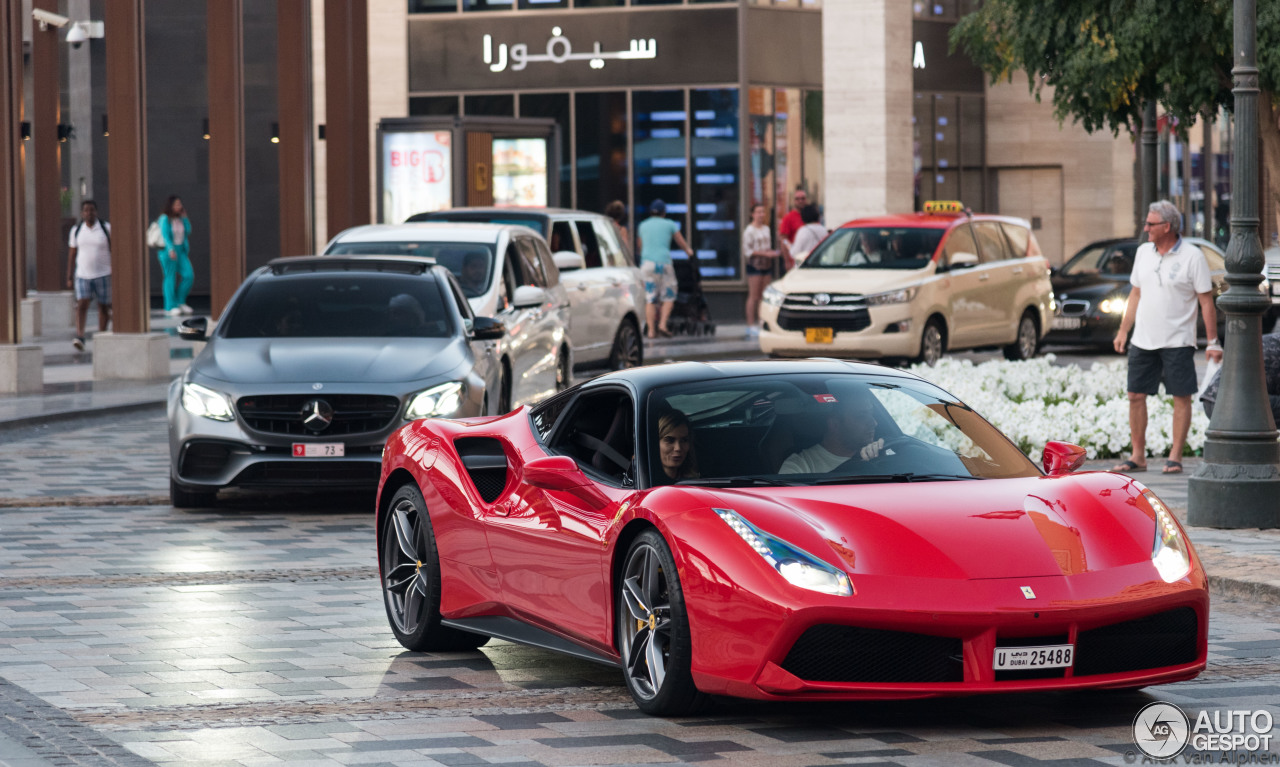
(534, 221)
(340, 304)
(470, 262)
(810, 429)
(875, 248)
(1114, 260)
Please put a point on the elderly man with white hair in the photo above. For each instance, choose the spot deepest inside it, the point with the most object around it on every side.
(1170, 278)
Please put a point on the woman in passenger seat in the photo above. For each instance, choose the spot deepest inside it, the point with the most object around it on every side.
(675, 449)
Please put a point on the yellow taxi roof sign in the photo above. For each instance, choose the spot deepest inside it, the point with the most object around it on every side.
(944, 206)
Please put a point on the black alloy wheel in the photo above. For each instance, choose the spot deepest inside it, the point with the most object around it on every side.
(410, 573)
(1028, 341)
(628, 349)
(653, 631)
(932, 343)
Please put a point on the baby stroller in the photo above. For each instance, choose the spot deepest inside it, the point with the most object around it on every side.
(690, 315)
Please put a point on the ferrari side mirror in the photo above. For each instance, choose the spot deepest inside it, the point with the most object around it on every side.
(1062, 458)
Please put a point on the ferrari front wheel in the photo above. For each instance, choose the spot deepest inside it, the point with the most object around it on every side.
(653, 631)
(410, 574)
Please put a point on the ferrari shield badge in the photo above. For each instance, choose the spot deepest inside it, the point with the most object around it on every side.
(1028, 593)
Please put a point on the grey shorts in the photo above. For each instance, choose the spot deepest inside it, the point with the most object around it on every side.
(1176, 367)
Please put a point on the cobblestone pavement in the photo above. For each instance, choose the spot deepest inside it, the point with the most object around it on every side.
(132, 633)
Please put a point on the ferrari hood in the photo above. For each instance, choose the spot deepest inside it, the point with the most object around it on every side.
(864, 281)
(1011, 528)
(336, 360)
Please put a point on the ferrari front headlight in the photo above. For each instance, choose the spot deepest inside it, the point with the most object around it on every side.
(901, 296)
(206, 403)
(1170, 553)
(797, 566)
(437, 402)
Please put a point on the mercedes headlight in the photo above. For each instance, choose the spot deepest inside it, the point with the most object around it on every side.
(437, 402)
(772, 296)
(1170, 553)
(798, 567)
(206, 403)
(1113, 305)
(902, 296)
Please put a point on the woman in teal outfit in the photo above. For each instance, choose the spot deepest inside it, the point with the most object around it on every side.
(175, 228)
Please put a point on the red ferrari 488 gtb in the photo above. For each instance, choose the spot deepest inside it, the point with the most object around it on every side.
(786, 530)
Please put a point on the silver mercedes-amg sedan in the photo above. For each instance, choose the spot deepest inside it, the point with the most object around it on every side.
(314, 363)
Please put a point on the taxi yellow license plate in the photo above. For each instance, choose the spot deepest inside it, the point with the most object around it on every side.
(819, 335)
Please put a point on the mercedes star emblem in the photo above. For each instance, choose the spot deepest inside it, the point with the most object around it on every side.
(317, 415)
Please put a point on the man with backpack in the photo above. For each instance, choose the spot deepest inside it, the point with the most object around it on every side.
(89, 268)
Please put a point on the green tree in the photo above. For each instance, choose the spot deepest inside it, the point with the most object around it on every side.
(1104, 59)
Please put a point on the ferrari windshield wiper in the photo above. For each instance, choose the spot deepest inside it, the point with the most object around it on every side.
(742, 481)
(867, 479)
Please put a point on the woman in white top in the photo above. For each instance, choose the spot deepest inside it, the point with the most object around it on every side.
(757, 246)
(810, 235)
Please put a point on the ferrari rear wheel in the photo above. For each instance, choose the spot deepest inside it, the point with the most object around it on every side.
(653, 631)
(410, 574)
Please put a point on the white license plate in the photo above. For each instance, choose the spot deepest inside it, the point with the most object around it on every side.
(1019, 658)
(319, 450)
(1066, 323)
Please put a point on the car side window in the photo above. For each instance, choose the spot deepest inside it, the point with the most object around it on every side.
(591, 255)
(546, 414)
(464, 306)
(523, 256)
(562, 237)
(959, 241)
(511, 279)
(1018, 236)
(991, 241)
(599, 433)
(550, 272)
(611, 251)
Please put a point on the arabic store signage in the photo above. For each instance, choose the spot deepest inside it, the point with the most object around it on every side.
(573, 50)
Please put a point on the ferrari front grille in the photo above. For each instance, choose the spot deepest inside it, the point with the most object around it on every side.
(1164, 639)
(830, 653)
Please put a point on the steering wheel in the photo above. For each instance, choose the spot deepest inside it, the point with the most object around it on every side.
(851, 466)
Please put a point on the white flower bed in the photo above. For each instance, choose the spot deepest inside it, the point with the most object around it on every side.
(1035, 401)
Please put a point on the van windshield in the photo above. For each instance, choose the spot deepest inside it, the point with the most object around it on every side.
(875, 248)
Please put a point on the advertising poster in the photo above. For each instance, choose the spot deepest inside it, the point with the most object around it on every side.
(416, 173)
(519, 172)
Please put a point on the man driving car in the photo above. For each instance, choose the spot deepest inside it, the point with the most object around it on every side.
(850, 433)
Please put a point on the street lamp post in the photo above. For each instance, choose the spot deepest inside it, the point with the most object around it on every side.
(1238, 484)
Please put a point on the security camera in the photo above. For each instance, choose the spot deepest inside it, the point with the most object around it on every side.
(49, 17)
(77, 35)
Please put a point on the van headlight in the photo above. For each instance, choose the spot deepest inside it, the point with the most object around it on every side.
(437, 402)
(901, 296)
(772, 296)
(798, 567)
(206, 403)
(1170, 552)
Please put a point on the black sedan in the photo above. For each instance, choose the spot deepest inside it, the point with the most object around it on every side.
(1091, 290)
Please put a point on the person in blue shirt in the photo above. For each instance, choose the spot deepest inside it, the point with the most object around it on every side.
(654, 237)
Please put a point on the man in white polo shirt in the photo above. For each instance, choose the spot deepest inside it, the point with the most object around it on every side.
(1170, 278)
(89, 268)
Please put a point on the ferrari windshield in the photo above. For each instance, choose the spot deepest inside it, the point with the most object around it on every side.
(340, 305)
(470, 262)
(876, 247)
(809, 429)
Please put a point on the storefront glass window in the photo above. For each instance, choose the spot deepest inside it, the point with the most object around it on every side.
(813, 157)
(656, 2)
(428, 106)
(556, 106)
(432, 6)
(658, 122)
(542, 5)
(760, 104)
(597, 3)
(488, 5)
(788, 150)
(716, 175)
(601, 139)
(497, 105)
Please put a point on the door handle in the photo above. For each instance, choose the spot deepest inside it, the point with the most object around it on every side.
(582, 286)
(984, 277)
(1017, 270)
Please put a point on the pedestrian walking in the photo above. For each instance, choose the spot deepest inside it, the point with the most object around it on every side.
(617, 212)
(175, 261)
(757, 247)
(1270, 371)
(89, 268)
(809, 236)
(654, 238)
(1170, 278)
(791, 224)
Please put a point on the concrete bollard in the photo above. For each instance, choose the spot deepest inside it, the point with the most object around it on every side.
(30, 320)
(21, 369)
